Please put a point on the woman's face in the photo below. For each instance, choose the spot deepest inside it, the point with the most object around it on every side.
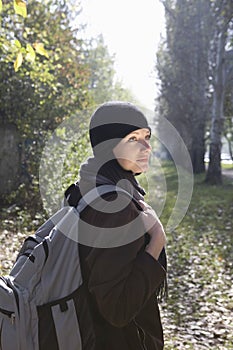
(133, 151)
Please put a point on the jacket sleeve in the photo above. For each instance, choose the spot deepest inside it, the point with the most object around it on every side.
(122, 278)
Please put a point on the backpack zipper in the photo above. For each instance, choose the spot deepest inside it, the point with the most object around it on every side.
(141, 335)
(10, 314)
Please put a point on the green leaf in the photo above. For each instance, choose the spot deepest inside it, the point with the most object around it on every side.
(20, 8)
(18, 62)
(30, 53)
(39, 48)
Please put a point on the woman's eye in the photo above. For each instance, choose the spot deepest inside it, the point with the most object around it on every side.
(148, 137)
(133, 138)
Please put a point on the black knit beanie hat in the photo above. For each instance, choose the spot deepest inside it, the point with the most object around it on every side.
(111, 122)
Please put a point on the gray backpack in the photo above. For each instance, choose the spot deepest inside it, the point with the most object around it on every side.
(42, 299)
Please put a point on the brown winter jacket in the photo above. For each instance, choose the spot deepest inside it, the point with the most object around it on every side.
(120, 284)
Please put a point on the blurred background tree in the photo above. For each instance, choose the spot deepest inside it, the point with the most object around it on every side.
(103, 85)
(192, 67)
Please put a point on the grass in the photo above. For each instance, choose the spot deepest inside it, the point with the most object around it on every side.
(226, 166)
(198, 312)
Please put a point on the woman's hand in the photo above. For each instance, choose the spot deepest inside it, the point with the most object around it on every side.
(155, 229)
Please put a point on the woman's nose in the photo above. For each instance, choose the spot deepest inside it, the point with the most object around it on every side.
(145, 145)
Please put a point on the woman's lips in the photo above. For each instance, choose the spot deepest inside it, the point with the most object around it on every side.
(142, 160)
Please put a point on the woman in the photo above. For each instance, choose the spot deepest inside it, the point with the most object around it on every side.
(121, 261)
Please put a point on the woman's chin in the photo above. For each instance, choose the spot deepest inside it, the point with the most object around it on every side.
(142, 168)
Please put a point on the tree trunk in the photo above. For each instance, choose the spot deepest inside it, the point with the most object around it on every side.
(214, 174)
(200, 65)
(198, 151)
(10, 162)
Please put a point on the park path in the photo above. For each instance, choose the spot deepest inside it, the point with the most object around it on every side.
(228, 173)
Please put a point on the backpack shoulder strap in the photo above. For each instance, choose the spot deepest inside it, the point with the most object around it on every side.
(96, 192)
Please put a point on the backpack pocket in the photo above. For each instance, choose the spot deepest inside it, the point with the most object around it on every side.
(58, 324)
(8, 313)
(66, 323)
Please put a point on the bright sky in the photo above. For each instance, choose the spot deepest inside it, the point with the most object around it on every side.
(131, 30)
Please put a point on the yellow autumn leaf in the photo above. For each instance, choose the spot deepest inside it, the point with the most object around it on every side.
(18, 44)
(20, 8)
(18, 62)
(30, 53)
(39, 48)
(0, 5)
